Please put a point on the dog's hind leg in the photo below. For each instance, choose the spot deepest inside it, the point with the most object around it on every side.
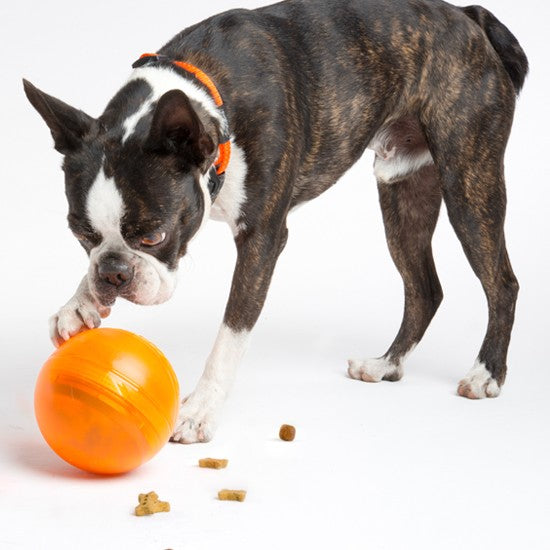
(475, 201)
(467, 140)
(410, 209)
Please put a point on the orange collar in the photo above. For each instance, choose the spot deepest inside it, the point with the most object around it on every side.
(224, 147)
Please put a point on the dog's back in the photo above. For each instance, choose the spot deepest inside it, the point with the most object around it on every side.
(304, 70)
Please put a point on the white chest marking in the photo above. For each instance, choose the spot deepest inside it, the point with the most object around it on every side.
(227, 206)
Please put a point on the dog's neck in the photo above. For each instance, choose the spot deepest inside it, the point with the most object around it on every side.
(162, 79)
(128, 110)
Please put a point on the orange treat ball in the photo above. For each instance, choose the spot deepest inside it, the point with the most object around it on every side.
(106, 401)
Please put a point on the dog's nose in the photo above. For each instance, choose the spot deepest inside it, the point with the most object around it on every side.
(114, 271)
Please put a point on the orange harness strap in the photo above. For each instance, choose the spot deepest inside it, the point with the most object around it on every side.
(224, 149)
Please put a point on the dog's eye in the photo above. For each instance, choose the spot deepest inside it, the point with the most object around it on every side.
(152, 239)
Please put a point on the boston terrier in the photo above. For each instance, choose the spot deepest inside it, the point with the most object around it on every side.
(250, 113)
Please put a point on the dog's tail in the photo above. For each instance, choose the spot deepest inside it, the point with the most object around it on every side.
(504, 42)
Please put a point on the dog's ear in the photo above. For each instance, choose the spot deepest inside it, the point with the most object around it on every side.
(67, 124)
(177, 129)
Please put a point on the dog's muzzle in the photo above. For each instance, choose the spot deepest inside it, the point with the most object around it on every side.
(113, 276)
(136, 277)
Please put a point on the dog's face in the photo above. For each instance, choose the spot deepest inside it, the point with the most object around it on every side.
(134, 213)
(135, 199)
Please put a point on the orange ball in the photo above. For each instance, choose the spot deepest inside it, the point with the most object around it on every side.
(106, 401)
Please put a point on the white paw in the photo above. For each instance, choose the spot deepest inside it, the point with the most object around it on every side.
(478, 383)
(74, 317)
(374, 370)
(196, 419)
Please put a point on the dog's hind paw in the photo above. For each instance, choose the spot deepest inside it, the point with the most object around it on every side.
(478, 383)
(374, 370)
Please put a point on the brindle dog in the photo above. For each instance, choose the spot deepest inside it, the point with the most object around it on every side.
(307, 86)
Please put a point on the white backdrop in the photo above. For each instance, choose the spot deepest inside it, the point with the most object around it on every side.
(452, 473)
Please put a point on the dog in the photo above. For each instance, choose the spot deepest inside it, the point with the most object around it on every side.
(250, 113)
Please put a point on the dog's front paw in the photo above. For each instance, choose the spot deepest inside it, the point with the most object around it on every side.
(74, 317)
(374, 370)
(478, 384)
(196, 420)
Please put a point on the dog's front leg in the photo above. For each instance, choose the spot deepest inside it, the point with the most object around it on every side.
(256, 259)
(81, 312)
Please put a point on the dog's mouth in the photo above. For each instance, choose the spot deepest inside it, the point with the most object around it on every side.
(133, 292)
(106, 301)
(104, 297)
(141, 296)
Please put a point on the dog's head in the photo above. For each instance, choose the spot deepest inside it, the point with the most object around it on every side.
(136, 182)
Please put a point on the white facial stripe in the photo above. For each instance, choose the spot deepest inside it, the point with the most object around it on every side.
(131, 122)
(227, 206)
(105, 207)
(163, 80)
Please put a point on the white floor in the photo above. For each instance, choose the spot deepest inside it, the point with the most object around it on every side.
(403, 465)
(394, 466)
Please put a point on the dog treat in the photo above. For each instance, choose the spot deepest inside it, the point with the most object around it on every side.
(150, 504)
(229, 494)
(216, 463)
(287, 432)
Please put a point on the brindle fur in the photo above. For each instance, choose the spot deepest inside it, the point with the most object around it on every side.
(410, 210)
(356, 67)
(308, 84)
